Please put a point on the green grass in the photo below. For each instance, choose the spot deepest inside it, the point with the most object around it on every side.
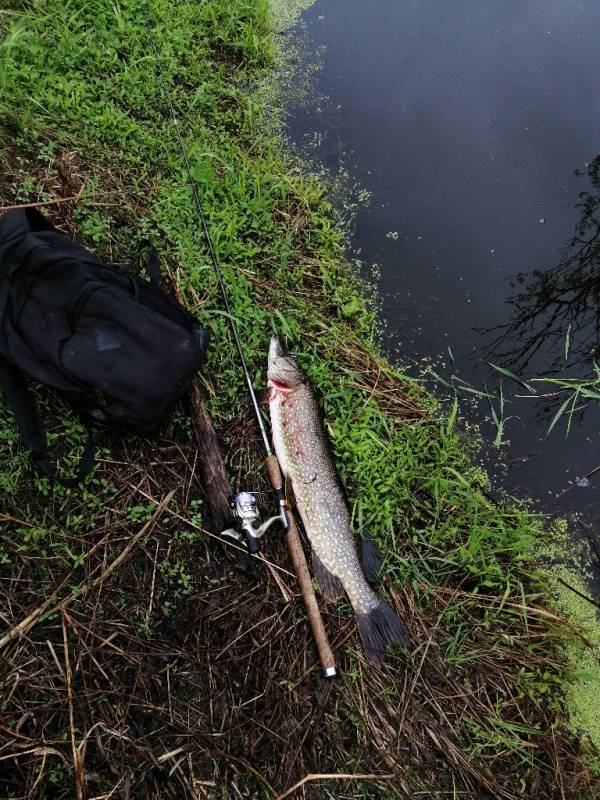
(480, 704)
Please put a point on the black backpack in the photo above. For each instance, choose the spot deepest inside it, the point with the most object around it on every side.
(116, 347)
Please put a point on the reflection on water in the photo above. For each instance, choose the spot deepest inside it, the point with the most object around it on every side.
(467, 127)
(556, 312)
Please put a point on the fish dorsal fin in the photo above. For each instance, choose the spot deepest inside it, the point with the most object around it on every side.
(330, 586)
(371, 557)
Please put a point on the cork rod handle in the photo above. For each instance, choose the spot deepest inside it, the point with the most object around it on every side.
(298, 559)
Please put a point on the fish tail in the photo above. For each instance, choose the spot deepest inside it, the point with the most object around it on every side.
(379, 627)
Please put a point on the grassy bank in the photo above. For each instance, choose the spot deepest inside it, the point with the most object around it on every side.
(174, 676)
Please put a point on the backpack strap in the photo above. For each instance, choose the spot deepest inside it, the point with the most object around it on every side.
(30, 427)
(152, 262)
(153, 267)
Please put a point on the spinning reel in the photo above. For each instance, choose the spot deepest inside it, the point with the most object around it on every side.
(250, 530)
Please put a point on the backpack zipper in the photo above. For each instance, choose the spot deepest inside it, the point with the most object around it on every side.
(77, 309)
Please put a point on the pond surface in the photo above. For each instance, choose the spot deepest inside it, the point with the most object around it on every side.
(466, 123)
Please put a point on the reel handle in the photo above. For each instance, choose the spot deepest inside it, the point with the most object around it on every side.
(298, 559)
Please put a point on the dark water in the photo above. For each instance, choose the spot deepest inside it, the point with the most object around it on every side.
(466, 122)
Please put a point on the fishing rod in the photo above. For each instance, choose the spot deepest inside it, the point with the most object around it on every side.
(243, 504)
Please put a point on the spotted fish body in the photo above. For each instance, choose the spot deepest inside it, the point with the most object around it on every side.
(303, 454)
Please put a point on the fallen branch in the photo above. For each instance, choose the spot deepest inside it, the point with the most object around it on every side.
(60, 200)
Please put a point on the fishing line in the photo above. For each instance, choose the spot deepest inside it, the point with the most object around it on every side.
(201, 215)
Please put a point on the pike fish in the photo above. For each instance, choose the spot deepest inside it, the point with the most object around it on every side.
(305, 460)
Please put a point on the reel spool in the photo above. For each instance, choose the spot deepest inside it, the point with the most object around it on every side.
(250, 529)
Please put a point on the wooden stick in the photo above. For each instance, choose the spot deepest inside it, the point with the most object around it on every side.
(58, 201)
(298, 559)
(211, 468)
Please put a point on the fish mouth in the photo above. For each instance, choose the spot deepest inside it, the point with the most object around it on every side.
(282, 370)
(276, 359)
(275, 351)
(276, 389)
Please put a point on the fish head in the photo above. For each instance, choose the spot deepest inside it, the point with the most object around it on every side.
(283, 373)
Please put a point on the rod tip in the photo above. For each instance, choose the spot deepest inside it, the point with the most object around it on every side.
(330, 672)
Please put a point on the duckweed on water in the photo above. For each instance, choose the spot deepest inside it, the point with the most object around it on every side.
(284, 13)
(583, 654)
(567, 562)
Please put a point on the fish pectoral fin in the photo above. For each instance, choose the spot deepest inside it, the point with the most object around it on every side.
(290, 497)
(371, 556)
(330, 585)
